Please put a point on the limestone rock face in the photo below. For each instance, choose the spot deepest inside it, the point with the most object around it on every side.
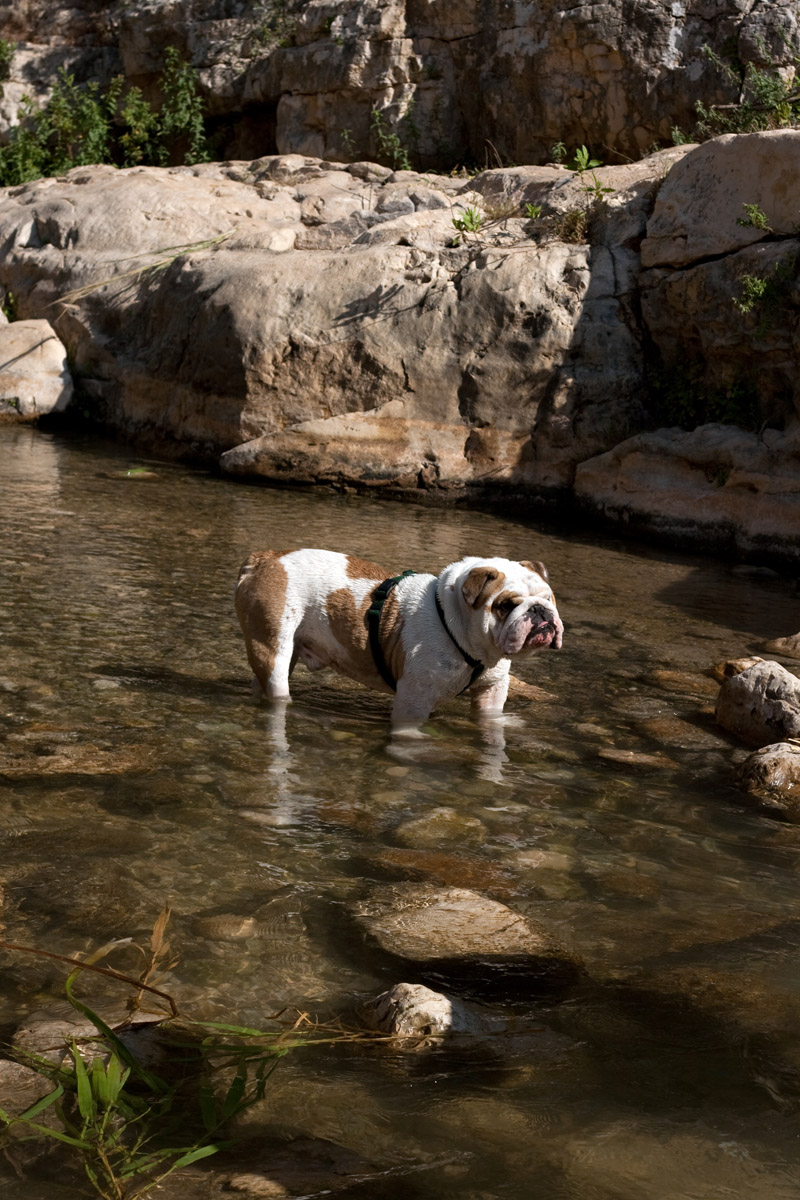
(456, 82)
(35, 378)
(319, 322)
(761, 705)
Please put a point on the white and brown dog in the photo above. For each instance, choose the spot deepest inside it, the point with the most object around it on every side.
(426, 638)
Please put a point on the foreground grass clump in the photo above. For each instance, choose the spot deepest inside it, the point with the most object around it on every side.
(81, 125)
(130, 1125)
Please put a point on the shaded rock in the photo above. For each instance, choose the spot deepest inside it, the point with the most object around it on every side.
(761, 705)
(459, 933)
(303, 1167)
(34, 375)
(772, 776)
(787, 647)
(717, 486)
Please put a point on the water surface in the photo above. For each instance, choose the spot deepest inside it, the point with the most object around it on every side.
(136, 771)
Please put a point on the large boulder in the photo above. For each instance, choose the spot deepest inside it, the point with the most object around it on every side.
(726, 215)
(324, 316)
(761, 705)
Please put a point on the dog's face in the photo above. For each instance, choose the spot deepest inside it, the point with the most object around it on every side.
(511, 603)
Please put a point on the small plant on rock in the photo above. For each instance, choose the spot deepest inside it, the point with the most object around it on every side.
(756, 218)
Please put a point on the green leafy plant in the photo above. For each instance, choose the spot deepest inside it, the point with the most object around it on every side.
(389, 143)
(755, 217)
(767, 100)
(558, 152)
(583, 161)
(680, 394)
(80, 125)
(6, 58)
(533, 211)
(596, 188)
(180, 124)
(132, 1126)
(767, 293)
(469, 224)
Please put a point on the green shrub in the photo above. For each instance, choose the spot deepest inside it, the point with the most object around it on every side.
(82, 125)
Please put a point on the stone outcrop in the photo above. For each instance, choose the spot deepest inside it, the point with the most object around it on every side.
(324, 316)
(717, 485)
(320, 322)
(454, 82)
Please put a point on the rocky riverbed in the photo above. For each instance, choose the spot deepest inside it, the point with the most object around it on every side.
(565, 934)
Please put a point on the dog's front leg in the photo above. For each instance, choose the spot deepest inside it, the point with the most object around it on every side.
(410, 710)
(488, 695)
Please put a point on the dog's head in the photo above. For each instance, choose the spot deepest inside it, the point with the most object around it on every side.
(508, 605)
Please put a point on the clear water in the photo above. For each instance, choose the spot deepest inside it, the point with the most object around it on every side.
(136, 771)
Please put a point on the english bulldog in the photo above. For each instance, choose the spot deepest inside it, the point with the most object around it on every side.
(425, 637)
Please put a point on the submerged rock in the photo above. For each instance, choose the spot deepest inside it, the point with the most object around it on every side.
(411, 1010)
(761, 705)
(461, 934)
(772, 776)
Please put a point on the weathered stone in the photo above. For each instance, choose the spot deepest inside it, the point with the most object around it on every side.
(411, 1010)
(761, 705)
(459, 932)
(700, 209)
(455, 83)
(772, 776)
(34, 375)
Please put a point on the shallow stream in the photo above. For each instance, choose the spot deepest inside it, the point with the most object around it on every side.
(135, 770)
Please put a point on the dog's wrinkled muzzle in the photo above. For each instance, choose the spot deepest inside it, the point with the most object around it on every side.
(537, 629)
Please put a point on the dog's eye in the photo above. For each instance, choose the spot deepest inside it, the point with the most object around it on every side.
(505, 607)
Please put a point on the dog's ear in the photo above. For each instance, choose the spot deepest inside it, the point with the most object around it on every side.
(538, 567)
(479, 585)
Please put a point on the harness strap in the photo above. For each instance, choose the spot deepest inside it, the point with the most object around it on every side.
(374, 626)
(477, 666)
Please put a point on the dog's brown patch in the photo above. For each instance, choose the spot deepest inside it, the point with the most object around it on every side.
(260, 601)
(507, 600)
(348, 623)
(537, 567)
(362, 568)
(481, 584)
(391, 631)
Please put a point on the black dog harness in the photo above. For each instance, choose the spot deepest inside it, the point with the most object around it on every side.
(374, 625)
